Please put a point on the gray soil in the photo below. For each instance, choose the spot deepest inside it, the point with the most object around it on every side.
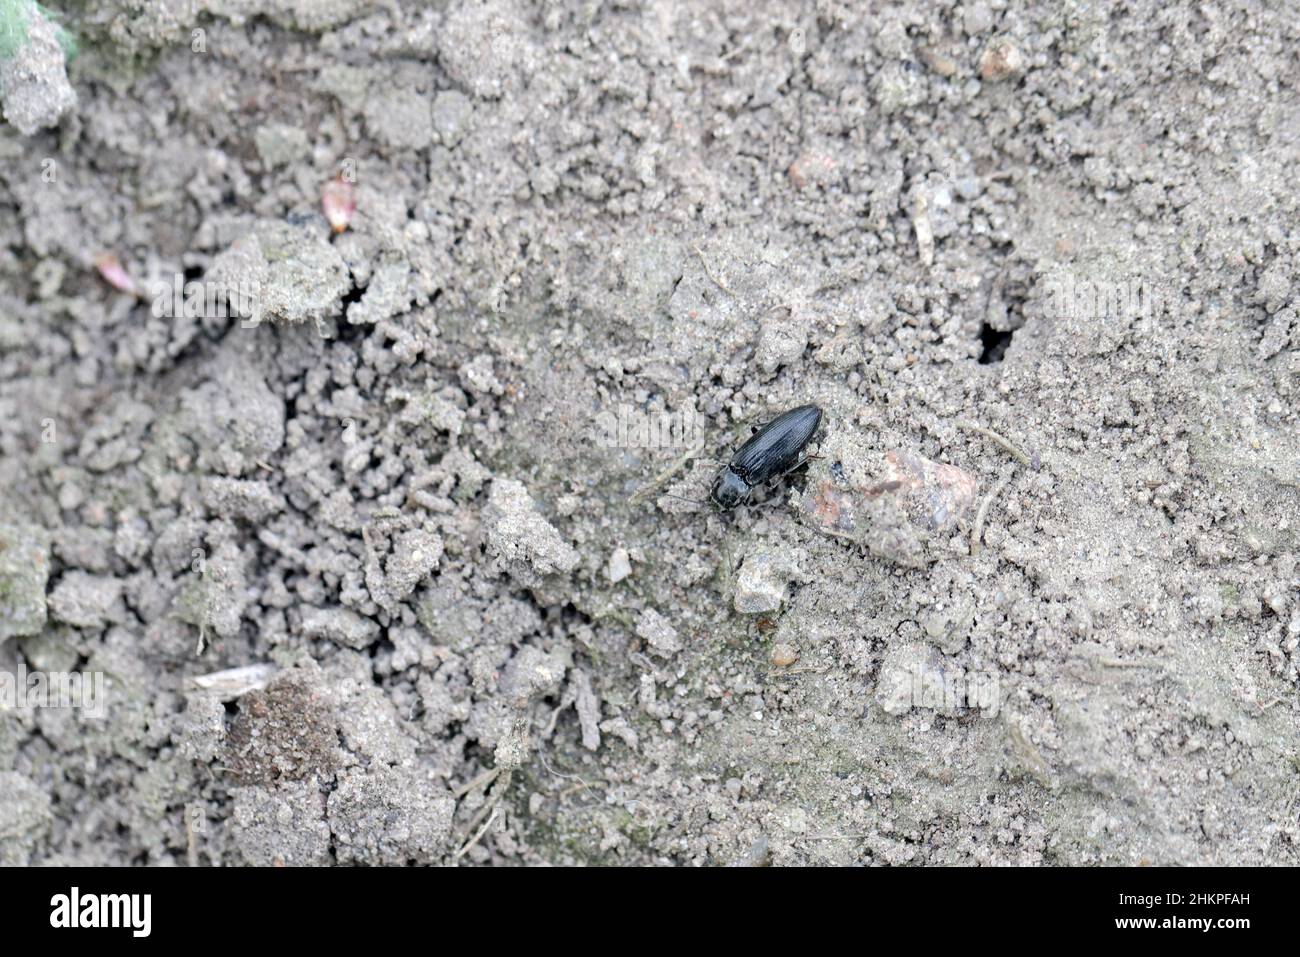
(478, 625)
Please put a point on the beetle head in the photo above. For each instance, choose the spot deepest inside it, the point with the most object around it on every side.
(729, 489)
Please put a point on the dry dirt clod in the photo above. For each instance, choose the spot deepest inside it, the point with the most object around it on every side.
(897, 509)
(763, 581)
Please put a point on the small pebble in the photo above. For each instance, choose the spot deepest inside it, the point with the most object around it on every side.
(783, 655)
(1001, 59)
(115, 274)
(620, 566)
(338, 202)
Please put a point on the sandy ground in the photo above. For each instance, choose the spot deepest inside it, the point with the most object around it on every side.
(437, 493)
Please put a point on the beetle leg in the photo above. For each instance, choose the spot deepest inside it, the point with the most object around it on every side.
(726, 564)
(797, 465)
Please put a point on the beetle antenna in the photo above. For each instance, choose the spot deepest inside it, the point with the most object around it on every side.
(693, 501)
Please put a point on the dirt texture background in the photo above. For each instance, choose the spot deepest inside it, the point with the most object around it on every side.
(481, 616)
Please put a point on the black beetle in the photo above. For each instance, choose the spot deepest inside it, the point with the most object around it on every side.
(769, 453)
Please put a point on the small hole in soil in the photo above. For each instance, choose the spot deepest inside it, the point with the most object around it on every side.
(995, 344)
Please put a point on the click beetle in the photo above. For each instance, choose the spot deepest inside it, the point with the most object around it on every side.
(772, 451)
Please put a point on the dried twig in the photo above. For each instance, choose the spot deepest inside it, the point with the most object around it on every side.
(977, 530)
(791, 672)
(709, 272)
(833, 837)
(1001, 440)
(482, 780)
(475, 839)
(568, 777)
(489, 807)
(924, 230)
(657, 482)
